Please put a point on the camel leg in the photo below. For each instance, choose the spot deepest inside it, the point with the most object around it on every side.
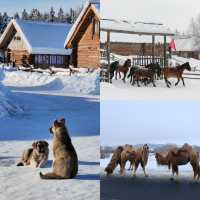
(119, 74)
(195, 167)
(174, 171)
(143, 167)
(122, 168)
(135, 169)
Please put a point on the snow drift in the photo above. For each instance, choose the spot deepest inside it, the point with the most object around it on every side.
(82, 83)
(8, 103)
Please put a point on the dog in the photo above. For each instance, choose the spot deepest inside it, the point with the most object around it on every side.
(37, 156)
(65, 164)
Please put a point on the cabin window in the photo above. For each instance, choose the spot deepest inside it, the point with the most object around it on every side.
(17, 38)
(60, 60)
(96, 27)
(49, 60)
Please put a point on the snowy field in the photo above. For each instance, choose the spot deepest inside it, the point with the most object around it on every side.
(29, 103)
(125, 91)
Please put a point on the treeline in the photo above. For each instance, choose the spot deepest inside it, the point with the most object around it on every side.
(35, 15)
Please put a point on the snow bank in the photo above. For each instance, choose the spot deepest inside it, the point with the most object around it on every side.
(81, 83)
(8, 102)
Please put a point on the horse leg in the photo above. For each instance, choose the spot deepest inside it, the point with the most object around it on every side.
(166, 81)
(119, 74)
(116, 74)
(183, 81)
(124, 79)
(138, 82)
(154, 85)
(177, 81)
(143, 167)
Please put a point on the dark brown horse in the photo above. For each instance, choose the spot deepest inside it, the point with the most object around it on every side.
(145, 75)
(175, 72)
(123, 68)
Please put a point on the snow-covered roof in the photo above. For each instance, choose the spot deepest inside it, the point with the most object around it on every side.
(41, 37)
(186, 43)
(87, 5)
(140, 28)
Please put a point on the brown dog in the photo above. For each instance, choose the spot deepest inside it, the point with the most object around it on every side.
(65, 165)
(37, 156)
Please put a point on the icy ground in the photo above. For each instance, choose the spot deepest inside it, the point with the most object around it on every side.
(125, 91)
(43, 98)
(152, 169)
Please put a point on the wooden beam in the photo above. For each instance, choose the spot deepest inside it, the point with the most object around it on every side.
(153, 48)
(108, 53)
(136, 32)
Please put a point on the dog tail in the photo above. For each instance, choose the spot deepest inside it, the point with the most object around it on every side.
(51, 175)
(19, 164)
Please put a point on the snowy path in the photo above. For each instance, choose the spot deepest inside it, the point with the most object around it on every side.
(120, 91)
(23, 183)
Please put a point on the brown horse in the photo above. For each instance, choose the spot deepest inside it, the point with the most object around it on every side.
(147, 75)
(175, 72)
(180, 156)
(124, 69)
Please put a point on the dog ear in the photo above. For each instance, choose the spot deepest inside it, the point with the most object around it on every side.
(34, 145)
(46, 143)
(62, 120)
(56, 123)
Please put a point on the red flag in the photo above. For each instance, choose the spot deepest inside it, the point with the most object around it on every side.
(172, 45)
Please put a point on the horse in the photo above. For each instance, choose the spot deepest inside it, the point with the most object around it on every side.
(123, 68)
(156, 68)
(113, 67)
(175, 72)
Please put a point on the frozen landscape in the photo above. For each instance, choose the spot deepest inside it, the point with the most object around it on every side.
(125, 91)
(29, 103)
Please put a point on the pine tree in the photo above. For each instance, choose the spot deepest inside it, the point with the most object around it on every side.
(25, 15)
(60, 15)
(52, 15)
(16, 16)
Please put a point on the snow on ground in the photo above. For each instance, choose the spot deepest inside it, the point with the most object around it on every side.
(45, 98)
(152, 169)
(24, 183)
(8, 104)
(120, 91)
(78, 84)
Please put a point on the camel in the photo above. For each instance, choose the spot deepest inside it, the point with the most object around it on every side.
(136, 157)
(180, 156)
(115, 160)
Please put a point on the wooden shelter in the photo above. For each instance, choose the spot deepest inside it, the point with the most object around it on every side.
(84, 38)
(138, 28)
(36, 43)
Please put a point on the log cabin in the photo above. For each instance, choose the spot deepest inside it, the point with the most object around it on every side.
(35, 43)
(84, 37)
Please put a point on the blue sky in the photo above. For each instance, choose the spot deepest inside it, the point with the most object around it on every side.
(149, 122)
(13, 6)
